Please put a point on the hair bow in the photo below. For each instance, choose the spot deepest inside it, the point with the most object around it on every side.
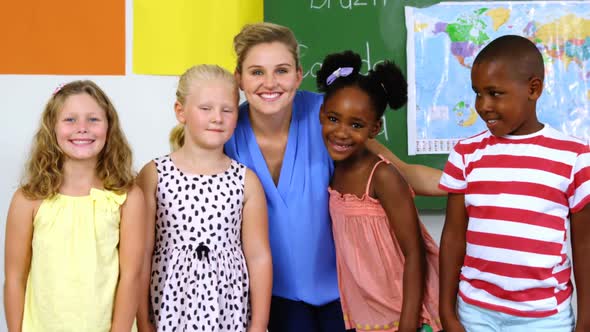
(340, 72)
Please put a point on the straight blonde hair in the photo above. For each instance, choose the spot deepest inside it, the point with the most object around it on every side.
(260, 33)
(199, 73)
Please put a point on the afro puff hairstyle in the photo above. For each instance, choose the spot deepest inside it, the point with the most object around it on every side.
(385, 85)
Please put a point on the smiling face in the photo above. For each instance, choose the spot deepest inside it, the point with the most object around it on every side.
(81, 128)
(348, 119)
(505, 103)
(269, 78)
(209, 113)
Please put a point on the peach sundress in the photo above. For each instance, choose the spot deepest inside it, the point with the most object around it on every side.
(370, 264)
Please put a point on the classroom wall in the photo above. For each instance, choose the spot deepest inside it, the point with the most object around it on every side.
(145, 108)
(144, 104)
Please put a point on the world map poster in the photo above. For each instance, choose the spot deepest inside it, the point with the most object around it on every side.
(443, 41)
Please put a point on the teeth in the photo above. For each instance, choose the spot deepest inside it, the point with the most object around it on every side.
(80, 142)
(492, 121)
(269, 95)
(341, 147)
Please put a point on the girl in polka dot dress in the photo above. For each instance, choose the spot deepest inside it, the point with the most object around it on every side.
(210, 264)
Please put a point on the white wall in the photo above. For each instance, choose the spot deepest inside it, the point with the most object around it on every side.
(144, 105)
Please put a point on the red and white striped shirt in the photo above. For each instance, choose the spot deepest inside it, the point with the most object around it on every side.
(519, 191)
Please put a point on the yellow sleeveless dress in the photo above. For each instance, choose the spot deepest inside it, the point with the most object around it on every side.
(75, 263)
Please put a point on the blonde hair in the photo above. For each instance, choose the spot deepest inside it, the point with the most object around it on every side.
(199, 73)
(260, 33)
(44, 170)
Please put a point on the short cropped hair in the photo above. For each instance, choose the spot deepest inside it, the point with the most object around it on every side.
(520, 53)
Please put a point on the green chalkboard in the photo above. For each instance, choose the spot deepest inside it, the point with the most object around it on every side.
(373, 28)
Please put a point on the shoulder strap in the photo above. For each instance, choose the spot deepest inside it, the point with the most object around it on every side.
(383, 160)
(163, 163)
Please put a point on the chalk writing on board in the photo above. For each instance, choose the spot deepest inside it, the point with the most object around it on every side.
(383, 132)
(317, 64)
(346, 4)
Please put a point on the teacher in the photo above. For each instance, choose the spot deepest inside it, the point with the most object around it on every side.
(278, 135)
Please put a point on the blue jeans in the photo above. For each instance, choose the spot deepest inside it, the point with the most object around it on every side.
(296, 316)
(476, 319)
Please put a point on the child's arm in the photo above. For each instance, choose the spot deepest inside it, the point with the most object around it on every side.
(148, 182)
(580, 224)
(452, 253)
(257, 251)
(423, 179)
(17, 258)
(131, 252)
(394, 194)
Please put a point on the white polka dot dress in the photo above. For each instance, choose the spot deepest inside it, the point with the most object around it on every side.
(199, 280)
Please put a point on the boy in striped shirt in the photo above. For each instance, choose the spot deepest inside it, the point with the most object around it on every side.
(514, 190)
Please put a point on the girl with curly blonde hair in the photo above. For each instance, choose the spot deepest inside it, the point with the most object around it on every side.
(75, 228)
